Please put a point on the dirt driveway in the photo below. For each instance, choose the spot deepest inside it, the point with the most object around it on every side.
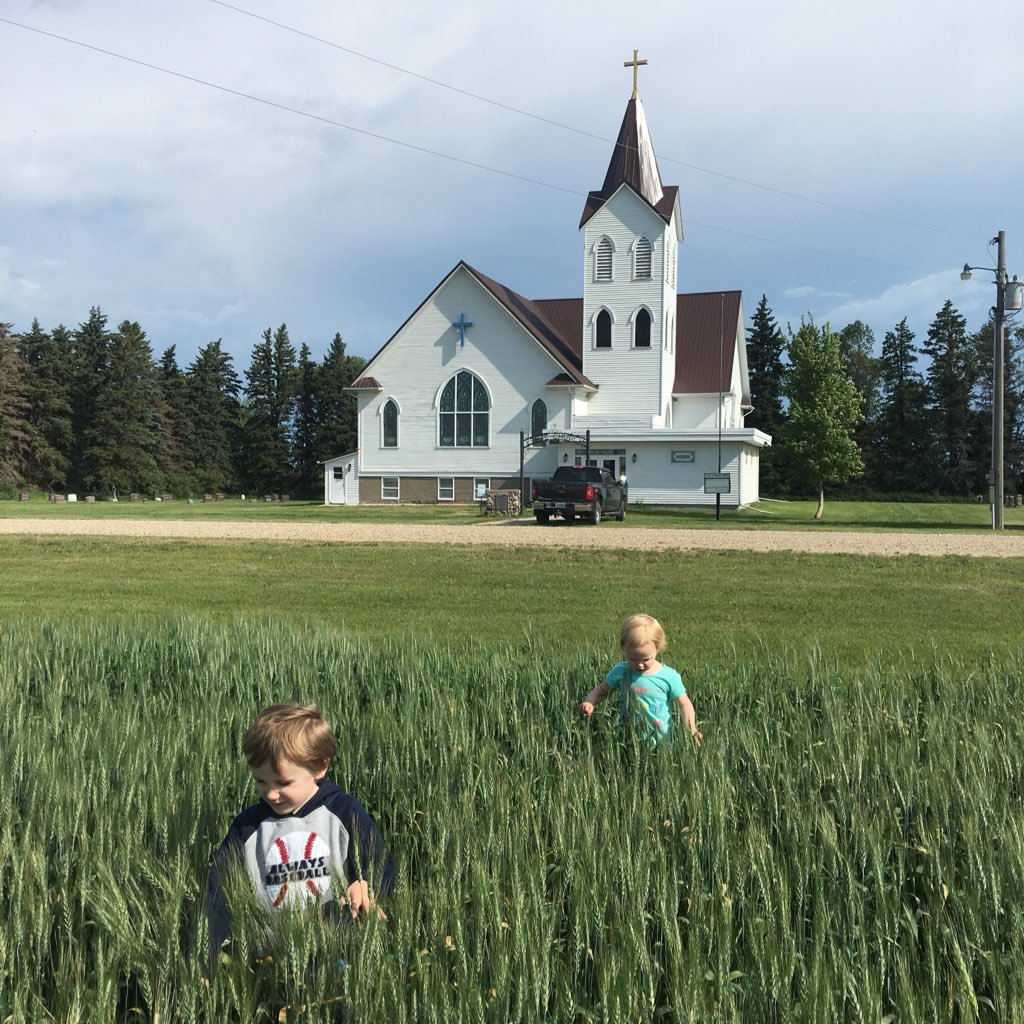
(526, 532)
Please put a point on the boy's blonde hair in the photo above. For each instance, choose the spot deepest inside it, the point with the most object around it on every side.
(642, 629)
(289, 732)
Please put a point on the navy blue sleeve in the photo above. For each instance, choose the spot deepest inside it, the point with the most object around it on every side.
(368, 856)
(216, 905)
(229, 852)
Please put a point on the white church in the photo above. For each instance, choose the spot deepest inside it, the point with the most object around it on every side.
(654, 380)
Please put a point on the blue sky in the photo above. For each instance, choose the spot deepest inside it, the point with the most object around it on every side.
(844, 160)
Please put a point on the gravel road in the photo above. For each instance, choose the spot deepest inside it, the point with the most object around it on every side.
(498, 533)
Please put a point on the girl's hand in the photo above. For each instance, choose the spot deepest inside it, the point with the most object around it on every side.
(697, 735)
(586, 709)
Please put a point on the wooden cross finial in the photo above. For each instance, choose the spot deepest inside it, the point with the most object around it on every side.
(635, 65)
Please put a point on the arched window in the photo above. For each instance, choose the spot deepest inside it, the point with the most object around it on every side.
(642, 329)
(603, 260)
(463, 419)
(390, 417)
(538, 417)
(642, 260)
(603, 334)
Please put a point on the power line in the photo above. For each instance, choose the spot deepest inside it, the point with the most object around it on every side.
(292, 110)
(409, 145)
(580, 131)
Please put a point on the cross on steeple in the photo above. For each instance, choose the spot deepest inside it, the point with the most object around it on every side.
(635, 65)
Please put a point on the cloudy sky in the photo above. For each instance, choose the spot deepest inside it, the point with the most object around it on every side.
(211, 169)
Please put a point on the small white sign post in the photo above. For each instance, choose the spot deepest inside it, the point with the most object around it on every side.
(717, 484)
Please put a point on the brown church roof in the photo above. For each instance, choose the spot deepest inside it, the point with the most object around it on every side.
(706, 342)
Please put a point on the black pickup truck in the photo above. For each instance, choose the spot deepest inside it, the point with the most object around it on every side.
(584, 491)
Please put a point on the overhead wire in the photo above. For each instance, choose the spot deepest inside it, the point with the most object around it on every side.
(413, 146)
(581, 131)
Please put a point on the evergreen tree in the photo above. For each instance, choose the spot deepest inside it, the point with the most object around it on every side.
(212, 388)
(306, 433)
(1013, 405)
(902, 433)
(857, 350)
(87, 369)
(951, 380)
(123, 438)
(765, 348)
(824, 407)
(15, 436)
(269, 407)
(48, 394)
(172, 421)
(337, 409)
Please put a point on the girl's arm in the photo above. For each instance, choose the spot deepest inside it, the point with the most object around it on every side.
(690, 717)
(596, 695)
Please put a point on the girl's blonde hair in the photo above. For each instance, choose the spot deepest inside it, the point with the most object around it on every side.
(642, 629)
(289, 732)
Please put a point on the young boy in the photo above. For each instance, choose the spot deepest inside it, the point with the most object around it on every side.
(647, 688)
(305, 837)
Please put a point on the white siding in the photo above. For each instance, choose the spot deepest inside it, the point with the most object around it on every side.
(656, 480)
(425, 354)
(343, 491)
(634, 382)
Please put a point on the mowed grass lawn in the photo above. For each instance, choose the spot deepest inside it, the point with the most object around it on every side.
(725, 606)
(766, 515)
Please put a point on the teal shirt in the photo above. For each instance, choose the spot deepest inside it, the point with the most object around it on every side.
(650, 696)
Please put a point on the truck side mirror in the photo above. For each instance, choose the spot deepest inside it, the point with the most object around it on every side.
(622, 480)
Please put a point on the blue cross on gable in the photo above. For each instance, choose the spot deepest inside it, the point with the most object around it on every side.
(462, 323)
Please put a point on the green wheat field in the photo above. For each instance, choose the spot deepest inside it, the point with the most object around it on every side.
(847, 845)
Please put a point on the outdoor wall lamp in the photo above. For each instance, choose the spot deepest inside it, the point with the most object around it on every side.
(634, 456)
(565, 456)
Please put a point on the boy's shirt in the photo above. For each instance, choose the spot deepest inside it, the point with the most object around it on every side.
(650, 696)
(291, 858)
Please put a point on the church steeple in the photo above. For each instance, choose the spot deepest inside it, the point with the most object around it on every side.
(633, 162)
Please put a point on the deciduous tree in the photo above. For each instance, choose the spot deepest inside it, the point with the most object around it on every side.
(824, 407)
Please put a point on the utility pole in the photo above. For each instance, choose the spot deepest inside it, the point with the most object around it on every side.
(998, 383)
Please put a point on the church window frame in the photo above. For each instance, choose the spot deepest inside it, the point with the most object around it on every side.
(390, 488)
(642, 328)
(446, 488)
(604, 260)
(464, 408)
(604, 323)
(390, 422)
(538, 417)
(643, 259)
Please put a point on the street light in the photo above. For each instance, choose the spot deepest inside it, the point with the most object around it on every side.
(1007, 294)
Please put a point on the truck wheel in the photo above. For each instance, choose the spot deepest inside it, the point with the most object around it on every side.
(622, 513)
(542, 518)
(595, 518)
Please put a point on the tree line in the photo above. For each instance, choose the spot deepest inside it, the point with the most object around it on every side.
(90, 410)
(892, 424)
